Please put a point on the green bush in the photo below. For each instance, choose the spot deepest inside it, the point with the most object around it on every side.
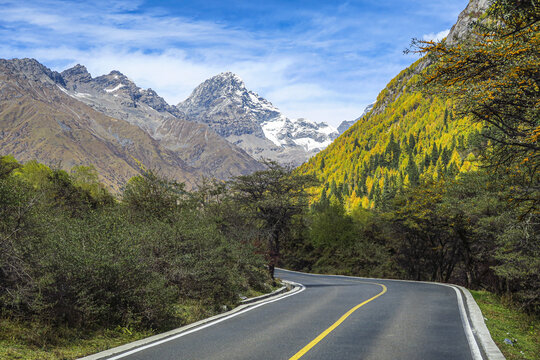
(73, 256)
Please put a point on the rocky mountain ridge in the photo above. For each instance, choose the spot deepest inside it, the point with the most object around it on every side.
(106, 122)
(346, 124)
(248, 120)
(117, 96)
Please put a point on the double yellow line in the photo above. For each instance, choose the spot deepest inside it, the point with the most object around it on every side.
(322, 335)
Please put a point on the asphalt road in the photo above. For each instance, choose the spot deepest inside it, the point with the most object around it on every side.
(396, 320)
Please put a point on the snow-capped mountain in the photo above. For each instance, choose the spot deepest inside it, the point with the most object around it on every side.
(221, 108)
(302, 132)
(248, 120)
(117, 96)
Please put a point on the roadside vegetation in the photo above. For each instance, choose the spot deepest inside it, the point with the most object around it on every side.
(81, 269)
(37, 341)
(514, 331)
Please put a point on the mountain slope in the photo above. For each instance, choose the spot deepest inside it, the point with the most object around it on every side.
(38, 120)
(407, 137)
(196, 144)
(347, 124)
(253, 123)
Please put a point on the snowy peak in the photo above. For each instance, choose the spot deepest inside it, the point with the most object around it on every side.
(225, 104)
(115, 81)
(311, 136)
(225, 92)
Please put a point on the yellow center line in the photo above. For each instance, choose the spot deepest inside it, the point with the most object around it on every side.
(322, 335)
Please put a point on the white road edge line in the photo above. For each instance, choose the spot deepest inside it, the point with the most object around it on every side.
(480, 330)
(159, 342)
(473, 344)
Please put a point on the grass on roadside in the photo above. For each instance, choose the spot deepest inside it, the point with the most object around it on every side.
(250, 293)
(33, 341)
(505, 321)
(38, 341)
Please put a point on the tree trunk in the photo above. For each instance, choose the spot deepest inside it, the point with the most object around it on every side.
(274, 254)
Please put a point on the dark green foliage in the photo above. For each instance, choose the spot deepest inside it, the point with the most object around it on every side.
(271, 199)
(467, 232)
(149, 196)
(71, 255)
(450, 230)
(337, 242)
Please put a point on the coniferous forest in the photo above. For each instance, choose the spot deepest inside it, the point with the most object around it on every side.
(440, 181)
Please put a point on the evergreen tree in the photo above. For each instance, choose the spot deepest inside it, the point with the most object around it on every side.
(427, 160)
(445, 156)
(412, 172)
(434, 155)
(412, 142)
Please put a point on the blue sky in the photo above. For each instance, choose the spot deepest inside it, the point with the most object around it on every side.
(324, 60)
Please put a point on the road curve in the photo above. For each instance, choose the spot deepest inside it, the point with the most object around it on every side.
(333, 318)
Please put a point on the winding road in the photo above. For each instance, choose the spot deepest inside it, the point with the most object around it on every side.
(332, 317)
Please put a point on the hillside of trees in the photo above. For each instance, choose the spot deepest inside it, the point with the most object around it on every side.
(440, 181)
(157, 257)
(410, 136)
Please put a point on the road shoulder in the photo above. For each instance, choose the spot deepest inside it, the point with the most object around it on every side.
(483, 337)
(289, 289)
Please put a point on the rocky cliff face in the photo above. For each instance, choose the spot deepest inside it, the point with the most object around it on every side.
(466, 18)
(458, 32)
(31, 70)
(116, 95)
(72, 119)
(39, 120)
(248, 120)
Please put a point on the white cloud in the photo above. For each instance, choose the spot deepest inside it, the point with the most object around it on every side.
(326, 70)
(436, 37)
